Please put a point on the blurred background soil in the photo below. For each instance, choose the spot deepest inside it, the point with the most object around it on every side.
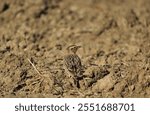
(115, 40)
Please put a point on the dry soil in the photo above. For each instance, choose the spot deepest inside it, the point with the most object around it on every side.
(115, 40)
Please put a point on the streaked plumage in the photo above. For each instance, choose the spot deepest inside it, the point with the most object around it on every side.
(72, 63)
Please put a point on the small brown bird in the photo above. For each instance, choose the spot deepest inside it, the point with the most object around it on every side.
(73, 66)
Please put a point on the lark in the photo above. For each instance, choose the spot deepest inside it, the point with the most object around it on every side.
(73, 65)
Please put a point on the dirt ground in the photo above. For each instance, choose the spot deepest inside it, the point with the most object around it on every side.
(115, 40)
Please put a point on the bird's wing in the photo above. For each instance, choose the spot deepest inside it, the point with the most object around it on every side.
(73, 63)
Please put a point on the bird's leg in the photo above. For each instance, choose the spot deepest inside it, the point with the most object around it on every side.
(76, 85)
(76, 82)
(72, 79)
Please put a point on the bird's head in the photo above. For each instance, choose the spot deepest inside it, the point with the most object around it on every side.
(73, 48)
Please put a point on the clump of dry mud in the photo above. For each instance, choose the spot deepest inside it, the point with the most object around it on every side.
(114, 36)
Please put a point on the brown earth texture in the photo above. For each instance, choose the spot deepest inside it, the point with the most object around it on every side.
(114, 36)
